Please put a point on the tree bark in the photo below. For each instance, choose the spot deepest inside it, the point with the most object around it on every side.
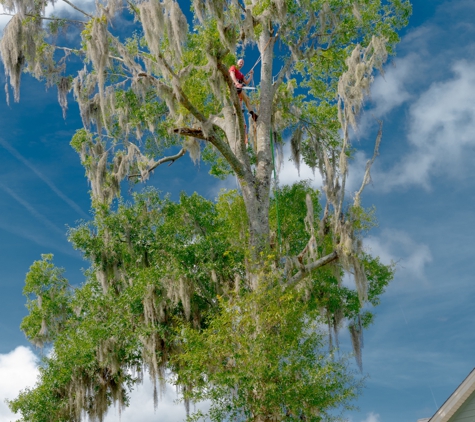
(256, 186)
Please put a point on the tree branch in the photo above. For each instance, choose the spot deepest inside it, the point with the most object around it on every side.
(311, 267)
(133, 7)
(187, 131)
(369, 163)
(181, 97)
(47, 18)
(71, 50)
(75, 51)
(222, 147)
(171, 159)
(235, 99)
(243, 8)
(179, 94)
(78, 9)
(217, 121)
(291, 60)
(294, 49)
(281, 76)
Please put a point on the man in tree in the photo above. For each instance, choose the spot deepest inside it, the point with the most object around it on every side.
(239, 80)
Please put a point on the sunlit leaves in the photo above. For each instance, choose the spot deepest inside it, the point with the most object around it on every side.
(49, 298)
(263, 357)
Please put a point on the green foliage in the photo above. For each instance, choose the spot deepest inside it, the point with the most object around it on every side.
(292, 213)
(167, 289)
(48, 301)
(363, 220)
(80, 138)
(263, 357)
(219, 166)
(207, 290)
(55, 25)
(315, 36)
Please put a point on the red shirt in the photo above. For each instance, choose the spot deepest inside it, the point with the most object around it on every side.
(239, 75)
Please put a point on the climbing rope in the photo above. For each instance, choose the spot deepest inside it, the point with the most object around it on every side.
(276, 192)
(260, 56)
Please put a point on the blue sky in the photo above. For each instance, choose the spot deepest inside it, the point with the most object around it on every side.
(422, 343)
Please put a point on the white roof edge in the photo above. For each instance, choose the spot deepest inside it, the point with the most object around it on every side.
(458, 397)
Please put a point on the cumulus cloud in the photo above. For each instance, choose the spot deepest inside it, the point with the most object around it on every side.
(391, 91)
(372, 417)
(60, 9)
(397, 246)
(433, 84)
(64, 10)
(141, 406)
(441, 135)
(289, 174)
(3, 20)
(404, 77)
(18, 370)
(356, 173)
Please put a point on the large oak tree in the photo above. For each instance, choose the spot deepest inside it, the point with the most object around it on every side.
(148, 95)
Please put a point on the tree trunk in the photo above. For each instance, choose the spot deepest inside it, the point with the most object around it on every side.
(256, 187)
(256, 201)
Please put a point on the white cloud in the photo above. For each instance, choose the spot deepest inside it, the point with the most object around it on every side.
(229, 183)
(18, 370)
(372, 417)
(141, 406)
(403, 77)
(3, 20)
(289, 174)
(397, 246)
(441, 132)
(391, 90)
(60, 9)
(356, 172)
